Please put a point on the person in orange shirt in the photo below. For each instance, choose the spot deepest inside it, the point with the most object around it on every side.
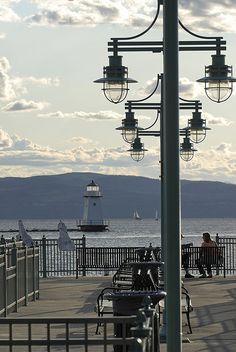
(206, 255)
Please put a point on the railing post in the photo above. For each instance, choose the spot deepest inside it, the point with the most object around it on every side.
(217, 268)
(14, 253)
(26, 276)
(44, 255)
(34, 272)
(84, 255)
(5, 282)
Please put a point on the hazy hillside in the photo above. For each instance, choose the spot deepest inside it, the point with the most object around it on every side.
(61, 196)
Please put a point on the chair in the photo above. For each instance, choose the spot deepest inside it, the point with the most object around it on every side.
(186, 307)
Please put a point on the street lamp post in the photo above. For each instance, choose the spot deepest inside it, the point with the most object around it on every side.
(218, 86)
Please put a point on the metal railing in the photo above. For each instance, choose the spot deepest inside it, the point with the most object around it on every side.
(53, 262)
(19, 268)
(105, 259)
(135, 333)
(101, 260)
(230, 252)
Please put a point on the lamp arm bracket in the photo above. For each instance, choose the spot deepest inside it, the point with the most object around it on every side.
(157, 46)
(144, 133)
(147, 128)
(197, 103)
(150, 95)
(197, 35)
(159, 2)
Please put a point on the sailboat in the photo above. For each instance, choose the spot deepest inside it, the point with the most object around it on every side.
(136, 215)
(156, 216)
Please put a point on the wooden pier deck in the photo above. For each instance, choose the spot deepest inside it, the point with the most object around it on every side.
(213, 318)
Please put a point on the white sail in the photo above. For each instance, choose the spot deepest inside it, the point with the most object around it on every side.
(64, 241)
(156, 216)
(25, 237)
(136, 215)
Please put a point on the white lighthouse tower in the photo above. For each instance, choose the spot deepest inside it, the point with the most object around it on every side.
(92, 214)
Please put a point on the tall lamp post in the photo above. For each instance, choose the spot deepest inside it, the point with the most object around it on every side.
(218, 82)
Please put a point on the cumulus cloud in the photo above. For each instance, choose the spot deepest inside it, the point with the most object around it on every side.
(12, 87)
(37, 81)
(196, 15)
(215, 163)
(6, 88)
(89, 116)
(21, 152)
(149, 87)
(7, 14)
(24, 105)
(81, 140)
(188, 89)
(210, 120)
(91, 13)
(5, 139)
(214, 16)
(219, 121)
(21, 157)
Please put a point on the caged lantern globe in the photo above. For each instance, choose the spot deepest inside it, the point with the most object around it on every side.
(218, 79)
(115, 80)
(137, 150)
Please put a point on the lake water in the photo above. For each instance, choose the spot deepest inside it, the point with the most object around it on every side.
(129, 232)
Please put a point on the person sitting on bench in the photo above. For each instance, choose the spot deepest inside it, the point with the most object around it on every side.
(206, 255)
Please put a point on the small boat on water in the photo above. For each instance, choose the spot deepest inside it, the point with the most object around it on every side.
(156, 216)
(136, 215)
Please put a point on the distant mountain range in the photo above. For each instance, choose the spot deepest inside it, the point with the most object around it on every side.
(61, 197)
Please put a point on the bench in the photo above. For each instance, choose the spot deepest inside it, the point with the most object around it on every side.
(207, 255)
(186, 307)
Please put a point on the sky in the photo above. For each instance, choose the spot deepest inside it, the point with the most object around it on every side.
(55, 120)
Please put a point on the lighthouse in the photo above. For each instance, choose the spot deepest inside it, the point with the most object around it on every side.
(92, 214)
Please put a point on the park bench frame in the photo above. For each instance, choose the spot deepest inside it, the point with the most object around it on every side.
(213, 255)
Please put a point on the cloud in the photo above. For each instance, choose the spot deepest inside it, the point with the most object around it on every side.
(214, 16)
(6, 88)
(91, 13)
(6, 13)
(89, 116)
(210, 120)
(197, 16)
(5, 139)
(219, 121)
(24, 105)
(215, 163)
(82, 140)
(149, 87)
(37, 81)
(12, 87)
(2, 35)
(189, 90)
(21, 157)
